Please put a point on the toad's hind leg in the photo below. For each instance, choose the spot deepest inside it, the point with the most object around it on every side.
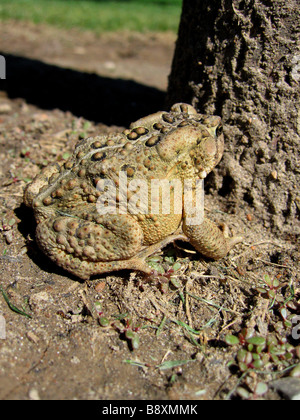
(94, 246)
(210, 240)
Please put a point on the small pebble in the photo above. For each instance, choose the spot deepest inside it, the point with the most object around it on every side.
(295, 373)
(40, 117)
(75, 360)
(288, 387)
(9, 236)
(40, 301)
(32, 337)
(110, 65)
(100, 287)
(34, 394)
(79, 50)
(274, 175)
(5, 108)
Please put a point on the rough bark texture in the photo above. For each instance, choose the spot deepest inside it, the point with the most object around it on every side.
(240, 59)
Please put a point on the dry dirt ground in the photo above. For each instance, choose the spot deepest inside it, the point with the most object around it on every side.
(62, 86)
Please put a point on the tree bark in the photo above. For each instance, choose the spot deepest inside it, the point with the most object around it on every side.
(240, 59)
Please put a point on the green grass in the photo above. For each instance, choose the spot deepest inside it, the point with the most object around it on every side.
(98, 15)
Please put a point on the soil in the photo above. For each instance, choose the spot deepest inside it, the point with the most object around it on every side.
(65, 85)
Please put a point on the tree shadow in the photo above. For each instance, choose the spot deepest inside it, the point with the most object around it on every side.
(96, 98)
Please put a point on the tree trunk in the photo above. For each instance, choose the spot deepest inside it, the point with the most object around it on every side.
(240, 59)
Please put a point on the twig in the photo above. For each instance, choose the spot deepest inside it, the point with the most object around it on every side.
(275, 265)
(228, 325)
(208, 302)
(255, 245)
(229, 395)
(187, 303)
(165, 356)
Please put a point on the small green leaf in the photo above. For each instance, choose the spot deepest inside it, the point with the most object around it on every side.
(271, 294)
(259, 349)
(176, 266)
(276, 350)
(103, 321)
(161, 326)
(242, 355)
(275, 358)
(265, 358)
(181, 296)
(154, 259)
(243, 367)
(129, 334)
(247, 333)
(119, 317)
(288, 356)
(169, 260)
(243, 393)
(135, 342)
(173, 363)
(175, 282)
(13, 307)
(288, 324)
(156, 266)
(256, 341)
(66, 155)
(261, 388)
(135, 363)
(186, 326)
(86, 125)
(258, 364)
(261, 289)
(231, 340)
(129, 322)
(250, 347)
(283, 313)
(98, 306)
(267, 279)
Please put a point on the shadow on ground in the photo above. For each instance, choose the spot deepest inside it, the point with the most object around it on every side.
(99, 99)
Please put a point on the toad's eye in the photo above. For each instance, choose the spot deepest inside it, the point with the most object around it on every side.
(219, 130)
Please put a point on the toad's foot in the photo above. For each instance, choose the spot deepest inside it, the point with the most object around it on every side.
(210, 240)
